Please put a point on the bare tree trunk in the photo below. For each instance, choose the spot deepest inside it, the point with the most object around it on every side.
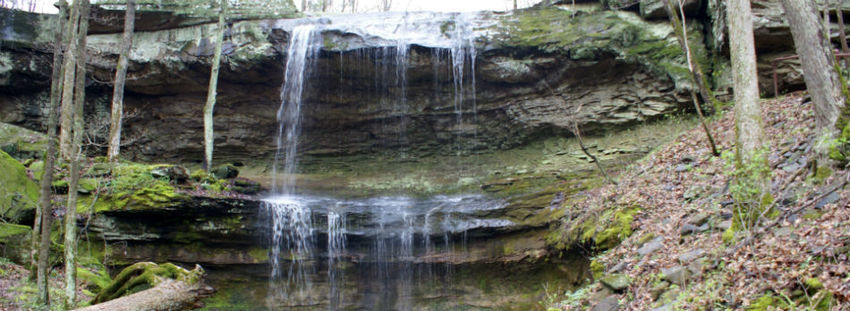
(66, 118)
(697, 76)
(120, 78)
(75, 159)
(748, 123)
(841, 30)
(303, 5)
(211, 92)
(819, 68)
(515, 5)
(41, 230)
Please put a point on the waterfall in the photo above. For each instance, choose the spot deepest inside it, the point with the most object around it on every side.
(301, 50)
(292, 229)
(336, 248)
(397, 225)
(292, 226)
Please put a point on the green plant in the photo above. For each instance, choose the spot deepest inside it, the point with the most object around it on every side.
(748, 188)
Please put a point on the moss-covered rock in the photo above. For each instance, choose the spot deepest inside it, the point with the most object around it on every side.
(14, 242)
(21, 143)
(18, 193)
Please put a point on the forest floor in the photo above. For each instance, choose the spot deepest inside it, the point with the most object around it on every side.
(677, 251)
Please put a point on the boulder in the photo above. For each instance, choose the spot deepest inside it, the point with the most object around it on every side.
(18, 193)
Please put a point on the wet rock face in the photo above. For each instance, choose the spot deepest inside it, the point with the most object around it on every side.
(354, 101)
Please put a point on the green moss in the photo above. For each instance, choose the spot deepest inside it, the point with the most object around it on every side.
(617, 229)
(259, 254)
(763, 302)
(144, 275)
(813, 284)
(12, 230)
(596, 268)
(21, 143)
(18, 194)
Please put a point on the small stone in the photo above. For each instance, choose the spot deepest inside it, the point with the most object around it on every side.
(724, 225)
(669, 296)
(658, 288)
(99, 170)
(699, 219)
(697, 266)
(831, 198)
(226, 171)
(170, 172)
(704, 227)
(682, 167)
(617, 268)
(651, 246)
(691, 255)
(677, 275)
(610, 303)
(616, 282)
(687, 229)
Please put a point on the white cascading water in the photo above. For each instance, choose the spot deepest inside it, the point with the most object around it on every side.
(292, 228)
(399, 221)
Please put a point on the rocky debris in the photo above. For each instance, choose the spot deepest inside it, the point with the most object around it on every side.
(690, 256)
(658, 288)
(831, 198)
(616, 282)
(651, 246)
(174, 173)
(14, 242)
(699, 219)
(245, 186)
(610, 303)
(226, 171)
(677, 275)
(687, 229)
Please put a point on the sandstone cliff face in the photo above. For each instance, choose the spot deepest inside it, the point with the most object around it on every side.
(533, 70)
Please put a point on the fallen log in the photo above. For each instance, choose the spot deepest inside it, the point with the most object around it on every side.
(173, 289)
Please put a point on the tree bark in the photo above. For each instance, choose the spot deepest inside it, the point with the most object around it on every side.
(819, 67)
(75, 159)
(120, 78)
(748, 122)
(169, 295)
(209, 138)
(66, 118)
(41, 230)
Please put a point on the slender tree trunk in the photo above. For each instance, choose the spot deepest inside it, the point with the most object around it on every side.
(748, 124)
(515, 5)
(303, 5)
(120, 78)
(66, 118)
(209, 139)
(841, 29)
(75, 159)
(41, 230)
(819, 67)
(697, 76)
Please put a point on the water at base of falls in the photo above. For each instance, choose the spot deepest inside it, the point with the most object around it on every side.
(401, 244)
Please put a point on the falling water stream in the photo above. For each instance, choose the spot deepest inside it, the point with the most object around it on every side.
(392, 239)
